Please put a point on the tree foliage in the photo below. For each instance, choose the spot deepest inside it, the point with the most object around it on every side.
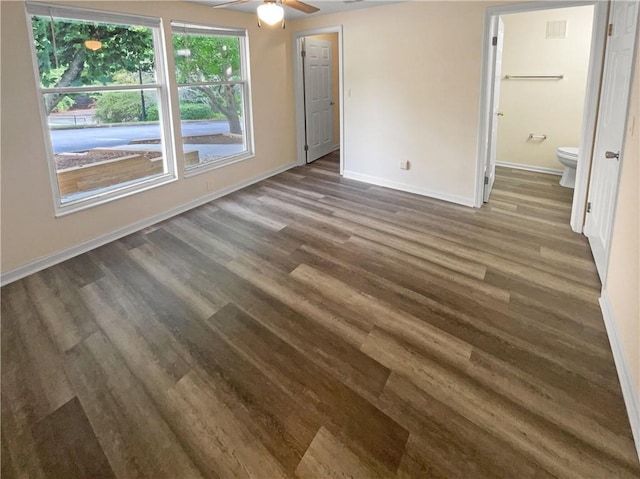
(129, 49)
(188, 111)
(206, 58)
(70, 63)
(119, 107)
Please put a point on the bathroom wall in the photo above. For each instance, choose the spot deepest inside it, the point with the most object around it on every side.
(335, 52)
(551, 107)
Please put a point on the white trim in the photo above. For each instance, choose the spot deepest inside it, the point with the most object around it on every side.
(215, 164)
(484, 110)
(180, 27)
(589, 117)
(629, 391)
(68, 253)
(299, 90)
(374, 180)
(536, 169)
(592, 94)
(114, 194)
(89, 14)
(596, 248)
(92, 88)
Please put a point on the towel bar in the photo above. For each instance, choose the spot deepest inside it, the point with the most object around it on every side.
(534, 77)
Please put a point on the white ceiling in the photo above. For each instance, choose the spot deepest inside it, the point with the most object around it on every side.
(326, 6)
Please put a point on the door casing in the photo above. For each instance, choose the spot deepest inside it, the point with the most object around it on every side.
(601, 246)
(497, 29)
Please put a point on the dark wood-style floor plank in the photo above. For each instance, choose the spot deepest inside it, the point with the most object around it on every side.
(314, 326)
(136, 439)
(67, 446)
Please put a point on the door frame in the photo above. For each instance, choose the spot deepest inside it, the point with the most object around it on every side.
(610, 220)
(489, 179)
(299, 90)
(591, 102)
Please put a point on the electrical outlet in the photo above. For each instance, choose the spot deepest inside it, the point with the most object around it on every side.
(405, 165)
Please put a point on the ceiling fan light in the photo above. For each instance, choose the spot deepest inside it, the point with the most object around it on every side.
(270, 13)
(93, 44)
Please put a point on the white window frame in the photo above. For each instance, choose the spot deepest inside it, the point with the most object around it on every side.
(161, 87)
(182, 27)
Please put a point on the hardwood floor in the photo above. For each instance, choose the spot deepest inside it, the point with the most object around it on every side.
(315, 327)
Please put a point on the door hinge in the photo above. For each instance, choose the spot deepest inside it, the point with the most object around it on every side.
(589, 207)
(610, 29)
(306, 147)
(304, 53)
(494, 41)
(486, 180)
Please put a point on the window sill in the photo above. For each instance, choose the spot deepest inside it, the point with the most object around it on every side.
(214, 165)
(109, 196)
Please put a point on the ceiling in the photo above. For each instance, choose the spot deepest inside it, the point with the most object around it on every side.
(325, 6)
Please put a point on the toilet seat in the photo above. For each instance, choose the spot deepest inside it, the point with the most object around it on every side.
(568, 152)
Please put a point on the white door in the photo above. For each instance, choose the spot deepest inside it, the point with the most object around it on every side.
(612, 115)
(318, 97)
(497, 38)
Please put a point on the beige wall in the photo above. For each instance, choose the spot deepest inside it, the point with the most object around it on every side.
(412, 89)
(335, 84)
(546, 107)
(407, 98)
(623, 277)
(29, 229)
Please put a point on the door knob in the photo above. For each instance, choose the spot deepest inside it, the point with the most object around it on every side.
(610, 155)
(332, 103)
(499, 114)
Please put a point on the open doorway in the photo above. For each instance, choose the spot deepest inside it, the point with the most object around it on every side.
(551, 91)
(319, 98)
(545, 64)
(606, 105)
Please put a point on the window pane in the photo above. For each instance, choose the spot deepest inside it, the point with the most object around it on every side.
(92, 53)
(206, 58)
(212, 122)
(104, 140)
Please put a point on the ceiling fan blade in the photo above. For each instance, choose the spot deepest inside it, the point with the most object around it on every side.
(226, 4)
(303, 7)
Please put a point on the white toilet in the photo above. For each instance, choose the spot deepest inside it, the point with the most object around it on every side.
(568, 156)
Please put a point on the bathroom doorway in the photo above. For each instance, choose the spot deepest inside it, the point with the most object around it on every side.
(547, 89)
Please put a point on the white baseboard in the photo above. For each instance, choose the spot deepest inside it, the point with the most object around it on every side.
(629, 390)
(336, 147)
(374, 180)
(536, 169)
(68, 253)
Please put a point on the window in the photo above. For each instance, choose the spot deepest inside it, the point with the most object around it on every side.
(213, 92)
(103, 91)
